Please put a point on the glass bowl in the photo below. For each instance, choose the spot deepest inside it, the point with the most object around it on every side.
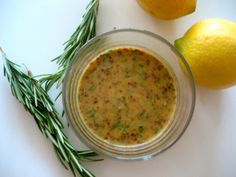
(168, 55)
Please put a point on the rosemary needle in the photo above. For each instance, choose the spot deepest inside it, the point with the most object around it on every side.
(37, 102)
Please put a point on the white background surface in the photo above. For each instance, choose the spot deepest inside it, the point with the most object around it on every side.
(32, 32)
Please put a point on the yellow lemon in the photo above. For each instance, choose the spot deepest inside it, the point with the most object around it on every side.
(168, 9)
(209, 47)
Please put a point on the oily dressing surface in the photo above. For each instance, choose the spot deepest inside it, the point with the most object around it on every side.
(126, 96)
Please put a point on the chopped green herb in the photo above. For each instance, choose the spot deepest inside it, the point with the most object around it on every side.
(91, 113)
(119, 110)
(106, 57)
(143, 75)
(92, 87)
(118, 125)
(140, 65)
(157, 130)
(125, 101)
(126, 70)
(142, 114)
(107, 68)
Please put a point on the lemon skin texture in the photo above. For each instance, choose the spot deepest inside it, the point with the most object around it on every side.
(209, 47)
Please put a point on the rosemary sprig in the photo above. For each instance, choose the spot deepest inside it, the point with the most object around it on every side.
(85, 31)
(36, 100)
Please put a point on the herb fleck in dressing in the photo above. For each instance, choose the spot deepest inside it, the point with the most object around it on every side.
(126, 96)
